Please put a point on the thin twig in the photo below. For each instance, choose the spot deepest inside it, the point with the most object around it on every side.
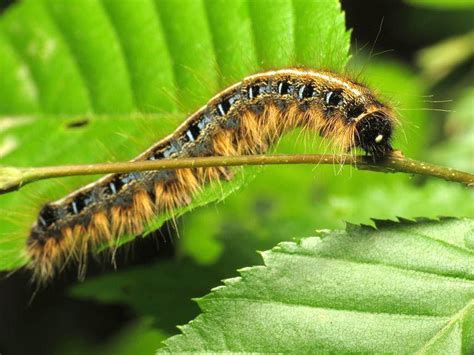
(12, 178)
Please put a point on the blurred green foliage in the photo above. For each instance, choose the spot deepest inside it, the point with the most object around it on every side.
(443, 4)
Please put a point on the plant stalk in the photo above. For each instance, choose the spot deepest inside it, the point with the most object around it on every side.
(12, 178)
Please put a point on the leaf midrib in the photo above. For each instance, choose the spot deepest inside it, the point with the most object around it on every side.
(457, 317)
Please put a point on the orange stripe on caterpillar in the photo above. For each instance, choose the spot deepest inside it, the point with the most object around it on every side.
(246, 118)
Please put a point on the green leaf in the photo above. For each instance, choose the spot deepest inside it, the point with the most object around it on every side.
(443, 4)
(121, 68)
(440, 60)
(138, 338)
(402, 287)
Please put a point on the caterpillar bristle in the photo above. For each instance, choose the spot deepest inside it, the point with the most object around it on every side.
(118, 222)
(247, 118)
(221, 144)
(99, 228)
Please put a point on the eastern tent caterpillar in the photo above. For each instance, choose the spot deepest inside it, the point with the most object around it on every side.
(246, 118)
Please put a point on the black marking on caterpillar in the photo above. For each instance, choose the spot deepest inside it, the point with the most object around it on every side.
(246, 118)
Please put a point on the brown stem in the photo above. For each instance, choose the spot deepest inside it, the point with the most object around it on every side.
(12, 178)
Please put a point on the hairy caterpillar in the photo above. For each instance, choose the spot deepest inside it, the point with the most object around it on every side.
(246, 118)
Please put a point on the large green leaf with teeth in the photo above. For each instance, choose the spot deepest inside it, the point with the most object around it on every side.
(400, 288)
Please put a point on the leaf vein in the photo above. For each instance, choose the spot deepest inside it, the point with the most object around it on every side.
(393, 266)
(73, 57)
(123, 54)
(217, 298)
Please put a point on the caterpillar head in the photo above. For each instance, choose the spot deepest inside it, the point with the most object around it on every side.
(361, 121)
(373, 133)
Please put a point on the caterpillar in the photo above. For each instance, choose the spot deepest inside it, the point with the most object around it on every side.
(246, 118)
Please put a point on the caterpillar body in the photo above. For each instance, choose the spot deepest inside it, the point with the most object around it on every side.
(246, 118)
